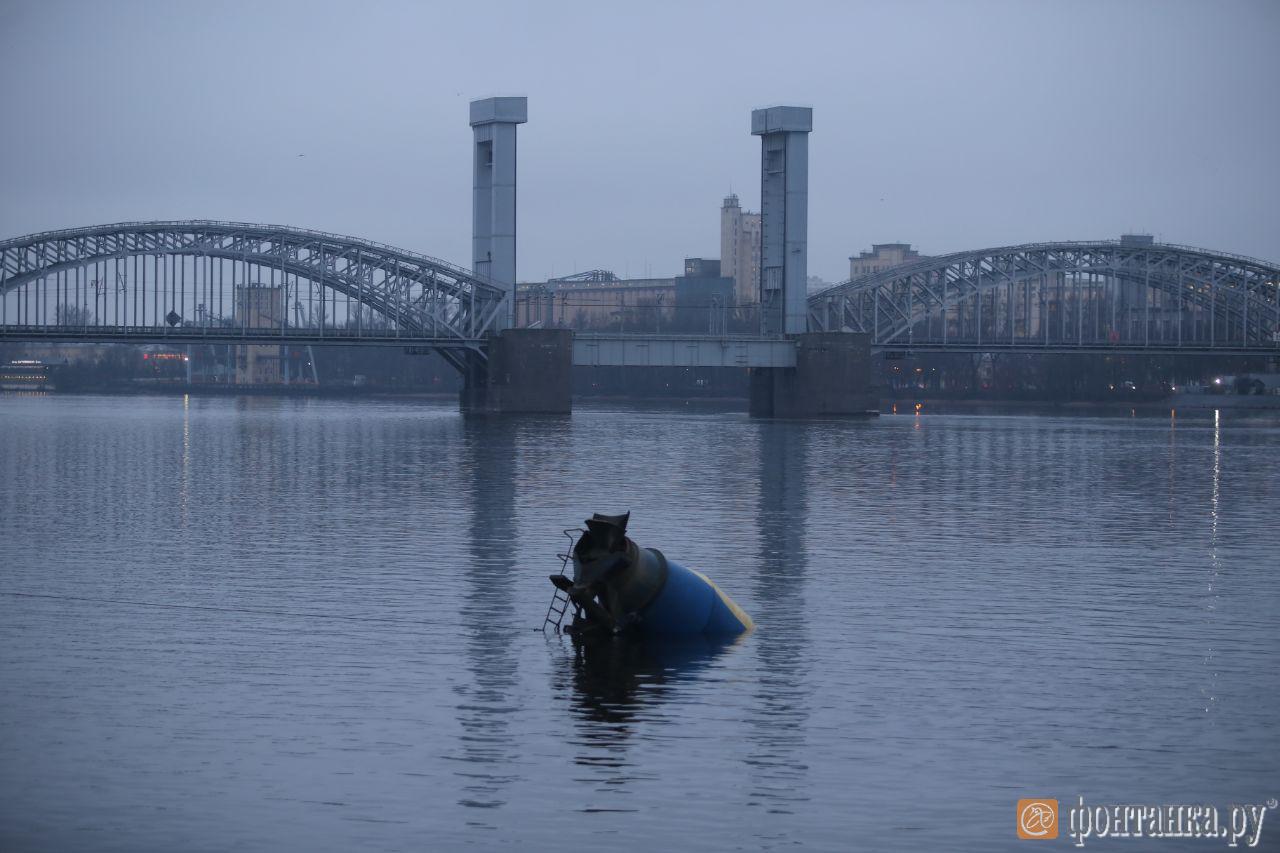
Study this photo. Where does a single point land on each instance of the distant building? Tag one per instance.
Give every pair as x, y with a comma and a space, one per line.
597, 300
258, 306
740, 250
698, 301
882, 256
703, 298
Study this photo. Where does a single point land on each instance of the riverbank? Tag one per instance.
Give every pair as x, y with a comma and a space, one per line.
1206, 402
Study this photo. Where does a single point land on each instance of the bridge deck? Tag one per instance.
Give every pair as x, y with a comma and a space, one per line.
598, 350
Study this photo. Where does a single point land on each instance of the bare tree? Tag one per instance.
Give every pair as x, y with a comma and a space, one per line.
74, 315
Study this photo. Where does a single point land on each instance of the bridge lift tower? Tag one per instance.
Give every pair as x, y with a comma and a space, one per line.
833, 370
784, 217
493, 193
527, 370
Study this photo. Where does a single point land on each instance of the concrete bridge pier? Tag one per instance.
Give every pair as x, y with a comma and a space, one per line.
832, 377
528, 371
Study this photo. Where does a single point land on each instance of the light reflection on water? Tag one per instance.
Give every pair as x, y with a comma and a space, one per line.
954, 612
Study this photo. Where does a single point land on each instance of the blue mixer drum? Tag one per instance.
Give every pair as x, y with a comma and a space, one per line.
618, 586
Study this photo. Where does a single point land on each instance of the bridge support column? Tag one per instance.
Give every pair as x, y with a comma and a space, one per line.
832, 377
529, 371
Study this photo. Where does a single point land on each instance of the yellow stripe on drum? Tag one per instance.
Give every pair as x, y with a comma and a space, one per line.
748, 624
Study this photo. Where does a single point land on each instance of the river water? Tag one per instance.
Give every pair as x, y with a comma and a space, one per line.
281, 624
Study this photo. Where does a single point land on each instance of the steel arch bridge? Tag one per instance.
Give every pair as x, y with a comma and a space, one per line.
203, 281
1113, 295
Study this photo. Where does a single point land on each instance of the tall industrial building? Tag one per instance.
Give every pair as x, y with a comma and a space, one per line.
740, 250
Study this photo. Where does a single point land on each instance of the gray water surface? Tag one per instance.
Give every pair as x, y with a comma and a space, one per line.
264, 624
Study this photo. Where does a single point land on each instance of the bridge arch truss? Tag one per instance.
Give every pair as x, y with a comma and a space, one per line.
207, 281
1105, 295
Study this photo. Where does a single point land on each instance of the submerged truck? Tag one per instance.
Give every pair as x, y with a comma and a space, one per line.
619, 587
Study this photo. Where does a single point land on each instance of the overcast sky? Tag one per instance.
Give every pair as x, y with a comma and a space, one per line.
949, 125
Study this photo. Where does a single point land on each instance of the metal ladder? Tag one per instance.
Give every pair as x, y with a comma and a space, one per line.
560, 601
